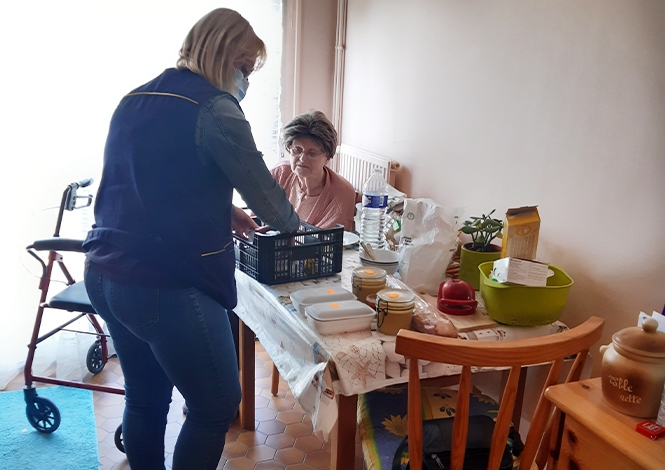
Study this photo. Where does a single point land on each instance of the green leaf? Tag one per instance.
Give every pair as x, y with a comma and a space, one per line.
483, 230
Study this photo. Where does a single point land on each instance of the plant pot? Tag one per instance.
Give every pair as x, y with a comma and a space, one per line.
470, 260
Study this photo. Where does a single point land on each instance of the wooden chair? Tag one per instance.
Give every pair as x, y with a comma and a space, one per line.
513, 354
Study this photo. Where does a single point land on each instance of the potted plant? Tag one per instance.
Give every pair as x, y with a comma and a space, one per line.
483, 230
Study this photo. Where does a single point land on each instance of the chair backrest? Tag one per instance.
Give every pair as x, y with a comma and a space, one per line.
507, 354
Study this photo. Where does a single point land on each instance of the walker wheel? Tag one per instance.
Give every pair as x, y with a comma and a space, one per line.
118, 439
94, 361
43, 415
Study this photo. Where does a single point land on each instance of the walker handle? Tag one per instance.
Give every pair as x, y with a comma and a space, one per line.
82, 184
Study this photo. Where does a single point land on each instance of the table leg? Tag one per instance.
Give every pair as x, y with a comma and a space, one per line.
343, 444
247, 377
274, 381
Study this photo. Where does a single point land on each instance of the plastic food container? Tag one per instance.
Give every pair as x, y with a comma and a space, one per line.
525, 305
331, 318
303, 298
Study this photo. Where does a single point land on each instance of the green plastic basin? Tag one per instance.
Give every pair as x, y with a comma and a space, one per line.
524, 305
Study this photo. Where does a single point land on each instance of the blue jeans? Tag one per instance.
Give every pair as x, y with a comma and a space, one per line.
167, 337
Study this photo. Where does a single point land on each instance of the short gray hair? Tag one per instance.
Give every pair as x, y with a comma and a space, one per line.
315, 125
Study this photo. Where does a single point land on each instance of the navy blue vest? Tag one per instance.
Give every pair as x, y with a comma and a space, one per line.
159, 200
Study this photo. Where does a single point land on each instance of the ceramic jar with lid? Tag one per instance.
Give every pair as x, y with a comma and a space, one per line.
633, 370
366, 282
394, 308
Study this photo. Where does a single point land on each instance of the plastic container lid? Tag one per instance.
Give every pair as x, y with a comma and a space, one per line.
342, 310
313, 295
644, 340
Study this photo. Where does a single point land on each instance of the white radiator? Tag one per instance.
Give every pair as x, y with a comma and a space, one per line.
356, 166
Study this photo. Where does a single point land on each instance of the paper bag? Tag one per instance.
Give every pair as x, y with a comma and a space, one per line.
428, 242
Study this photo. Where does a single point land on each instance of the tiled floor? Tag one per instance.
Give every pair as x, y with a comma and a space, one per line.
283, 439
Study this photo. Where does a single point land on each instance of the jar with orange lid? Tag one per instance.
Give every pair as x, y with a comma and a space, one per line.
394, 308
367, 282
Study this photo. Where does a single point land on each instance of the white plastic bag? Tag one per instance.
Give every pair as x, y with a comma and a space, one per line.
428, 242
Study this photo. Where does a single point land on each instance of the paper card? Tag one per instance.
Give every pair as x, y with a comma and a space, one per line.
519, 271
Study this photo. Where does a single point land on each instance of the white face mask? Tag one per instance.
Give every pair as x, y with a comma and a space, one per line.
241, 83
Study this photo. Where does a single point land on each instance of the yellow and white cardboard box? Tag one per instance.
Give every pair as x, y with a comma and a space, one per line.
519, 271
521, 228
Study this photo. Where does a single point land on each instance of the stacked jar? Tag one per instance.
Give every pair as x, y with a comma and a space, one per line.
394, 308
367, 282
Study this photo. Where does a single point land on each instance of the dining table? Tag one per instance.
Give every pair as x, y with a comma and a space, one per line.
326, 373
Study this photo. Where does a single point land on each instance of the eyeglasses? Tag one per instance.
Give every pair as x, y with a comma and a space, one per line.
299, 152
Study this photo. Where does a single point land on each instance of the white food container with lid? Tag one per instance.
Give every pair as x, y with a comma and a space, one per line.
314, 295
331, 318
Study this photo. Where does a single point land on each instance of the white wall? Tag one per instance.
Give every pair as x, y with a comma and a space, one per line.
501, 104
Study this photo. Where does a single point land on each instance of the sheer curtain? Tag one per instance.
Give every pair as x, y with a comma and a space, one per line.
66, 66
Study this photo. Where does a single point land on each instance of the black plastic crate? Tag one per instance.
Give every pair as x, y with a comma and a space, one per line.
275, 259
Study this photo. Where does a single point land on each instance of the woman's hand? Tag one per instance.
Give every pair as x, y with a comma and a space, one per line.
241, 223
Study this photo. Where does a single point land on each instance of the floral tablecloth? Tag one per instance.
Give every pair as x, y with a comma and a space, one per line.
317, 367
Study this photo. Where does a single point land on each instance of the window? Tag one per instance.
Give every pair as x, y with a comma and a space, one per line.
68, 63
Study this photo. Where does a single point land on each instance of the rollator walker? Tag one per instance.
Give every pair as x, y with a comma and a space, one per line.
42, 413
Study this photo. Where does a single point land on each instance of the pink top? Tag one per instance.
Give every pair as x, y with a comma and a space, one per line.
335, 204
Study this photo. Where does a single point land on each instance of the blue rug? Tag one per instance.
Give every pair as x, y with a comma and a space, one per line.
72, 446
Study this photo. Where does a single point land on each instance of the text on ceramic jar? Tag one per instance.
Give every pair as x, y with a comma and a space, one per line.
624, 386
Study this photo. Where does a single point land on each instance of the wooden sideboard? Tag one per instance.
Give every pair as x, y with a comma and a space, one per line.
597, 437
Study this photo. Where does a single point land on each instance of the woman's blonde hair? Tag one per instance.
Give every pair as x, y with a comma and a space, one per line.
218, 43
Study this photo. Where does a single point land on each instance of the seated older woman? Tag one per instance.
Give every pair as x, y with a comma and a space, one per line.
320, 196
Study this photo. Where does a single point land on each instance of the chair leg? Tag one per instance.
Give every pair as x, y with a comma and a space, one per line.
274, 386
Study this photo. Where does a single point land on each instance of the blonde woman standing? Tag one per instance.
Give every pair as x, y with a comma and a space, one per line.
160, 262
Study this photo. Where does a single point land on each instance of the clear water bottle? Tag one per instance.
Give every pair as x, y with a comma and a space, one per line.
373, 217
